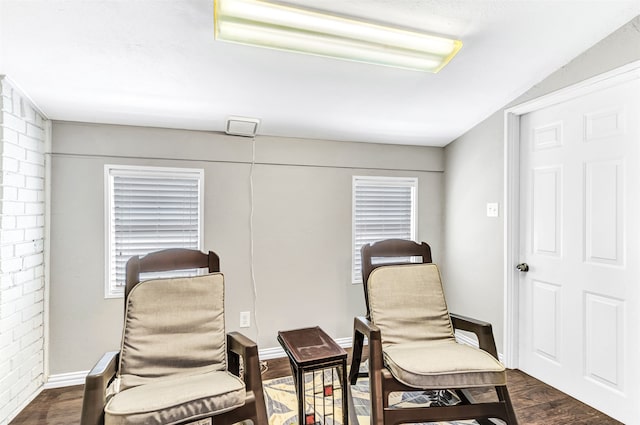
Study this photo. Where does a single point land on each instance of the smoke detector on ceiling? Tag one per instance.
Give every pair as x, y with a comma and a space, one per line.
242, 126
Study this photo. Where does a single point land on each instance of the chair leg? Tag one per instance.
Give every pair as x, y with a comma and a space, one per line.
503, 396
261, 411
375, 383
356, 357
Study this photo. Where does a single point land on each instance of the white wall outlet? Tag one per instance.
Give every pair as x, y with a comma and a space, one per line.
492, 209
245, 319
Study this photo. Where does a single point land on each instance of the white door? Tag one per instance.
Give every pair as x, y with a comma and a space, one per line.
579, 324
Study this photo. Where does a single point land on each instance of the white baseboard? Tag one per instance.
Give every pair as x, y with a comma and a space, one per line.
66, 379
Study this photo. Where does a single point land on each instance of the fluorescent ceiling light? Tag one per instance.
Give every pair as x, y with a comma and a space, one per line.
259, 23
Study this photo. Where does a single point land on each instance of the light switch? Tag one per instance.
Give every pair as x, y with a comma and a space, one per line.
492, 209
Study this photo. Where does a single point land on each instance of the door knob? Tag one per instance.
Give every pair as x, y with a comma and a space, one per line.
523, 267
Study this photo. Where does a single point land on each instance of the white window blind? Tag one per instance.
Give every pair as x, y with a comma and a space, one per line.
149, 209
383, 208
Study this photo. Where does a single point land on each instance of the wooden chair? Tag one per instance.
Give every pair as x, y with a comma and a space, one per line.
390, 251
176, 364
412, 347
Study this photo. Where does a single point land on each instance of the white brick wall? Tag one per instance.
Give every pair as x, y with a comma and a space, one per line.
22, 316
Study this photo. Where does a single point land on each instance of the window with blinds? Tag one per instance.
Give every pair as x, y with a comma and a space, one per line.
383, 208
149, 209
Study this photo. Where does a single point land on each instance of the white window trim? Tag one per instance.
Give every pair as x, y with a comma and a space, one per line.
411, 182
111, 170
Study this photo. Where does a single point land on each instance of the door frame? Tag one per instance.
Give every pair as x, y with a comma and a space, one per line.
512, 229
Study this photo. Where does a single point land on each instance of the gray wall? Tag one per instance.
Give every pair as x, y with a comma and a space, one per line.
302, 226
474, 163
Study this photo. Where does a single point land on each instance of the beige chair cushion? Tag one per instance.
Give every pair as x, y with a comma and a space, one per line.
176, 400
443, 364
173, 327
407, 303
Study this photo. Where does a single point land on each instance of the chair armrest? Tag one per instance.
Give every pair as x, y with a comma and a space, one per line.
365, 327
361, 328
238, 346
95, 389
483, 331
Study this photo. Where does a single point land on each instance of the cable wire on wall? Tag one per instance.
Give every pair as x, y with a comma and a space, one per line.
251, 262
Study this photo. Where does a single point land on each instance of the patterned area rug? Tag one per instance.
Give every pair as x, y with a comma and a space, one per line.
282, 404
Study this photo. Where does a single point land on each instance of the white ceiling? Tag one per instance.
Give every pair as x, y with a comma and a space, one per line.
155, 63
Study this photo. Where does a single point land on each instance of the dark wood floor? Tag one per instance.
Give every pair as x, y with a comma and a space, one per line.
535, 403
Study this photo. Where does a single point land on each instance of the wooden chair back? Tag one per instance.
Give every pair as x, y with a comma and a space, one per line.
166, 260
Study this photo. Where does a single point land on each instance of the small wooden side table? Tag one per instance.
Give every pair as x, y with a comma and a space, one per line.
311, 349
